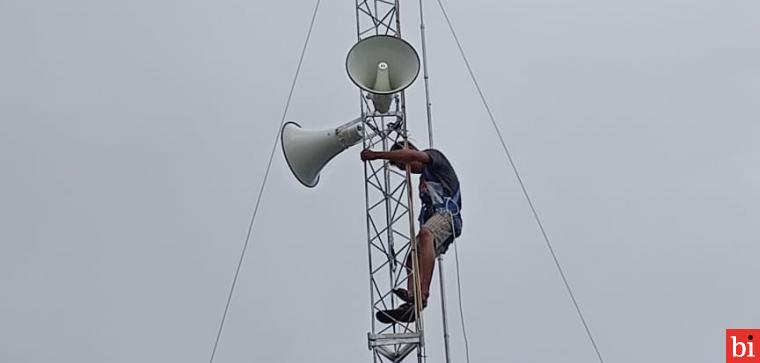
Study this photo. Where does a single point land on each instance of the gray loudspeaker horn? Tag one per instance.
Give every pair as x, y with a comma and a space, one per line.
308, 151
382, 65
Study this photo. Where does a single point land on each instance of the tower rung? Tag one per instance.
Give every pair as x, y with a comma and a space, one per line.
396, 356
379, 340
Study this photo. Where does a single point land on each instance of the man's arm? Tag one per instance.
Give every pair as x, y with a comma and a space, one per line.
404, 155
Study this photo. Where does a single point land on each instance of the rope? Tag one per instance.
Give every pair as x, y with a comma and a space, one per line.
522, 184
263, 184
459, 290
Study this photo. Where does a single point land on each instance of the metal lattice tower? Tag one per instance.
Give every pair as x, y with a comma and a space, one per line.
389, 210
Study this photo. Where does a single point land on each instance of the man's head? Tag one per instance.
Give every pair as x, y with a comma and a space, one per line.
398, 145
415, 166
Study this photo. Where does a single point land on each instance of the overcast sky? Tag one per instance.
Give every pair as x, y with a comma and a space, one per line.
135, 135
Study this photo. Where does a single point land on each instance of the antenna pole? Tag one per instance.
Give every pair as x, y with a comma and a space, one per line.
426, 77
428, 104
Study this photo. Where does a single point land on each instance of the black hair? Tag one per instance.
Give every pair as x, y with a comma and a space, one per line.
398, 145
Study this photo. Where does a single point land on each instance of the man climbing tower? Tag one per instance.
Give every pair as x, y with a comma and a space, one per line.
439, 218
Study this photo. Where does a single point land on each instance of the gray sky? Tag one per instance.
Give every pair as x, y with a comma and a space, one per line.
135, 136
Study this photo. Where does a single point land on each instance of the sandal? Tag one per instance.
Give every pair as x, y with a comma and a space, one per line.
405, 296
402, 314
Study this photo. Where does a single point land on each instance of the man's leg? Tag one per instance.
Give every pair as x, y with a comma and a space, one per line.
426, 258
439, 227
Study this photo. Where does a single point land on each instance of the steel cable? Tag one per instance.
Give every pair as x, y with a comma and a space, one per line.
520, 181
263, 184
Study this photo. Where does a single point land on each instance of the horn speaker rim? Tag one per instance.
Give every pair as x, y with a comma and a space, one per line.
287, 160
411, 81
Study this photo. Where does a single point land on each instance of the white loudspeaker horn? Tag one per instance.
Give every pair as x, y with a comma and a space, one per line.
382, 65
308, 151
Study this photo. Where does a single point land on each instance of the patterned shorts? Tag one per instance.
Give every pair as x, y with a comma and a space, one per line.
440, 225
